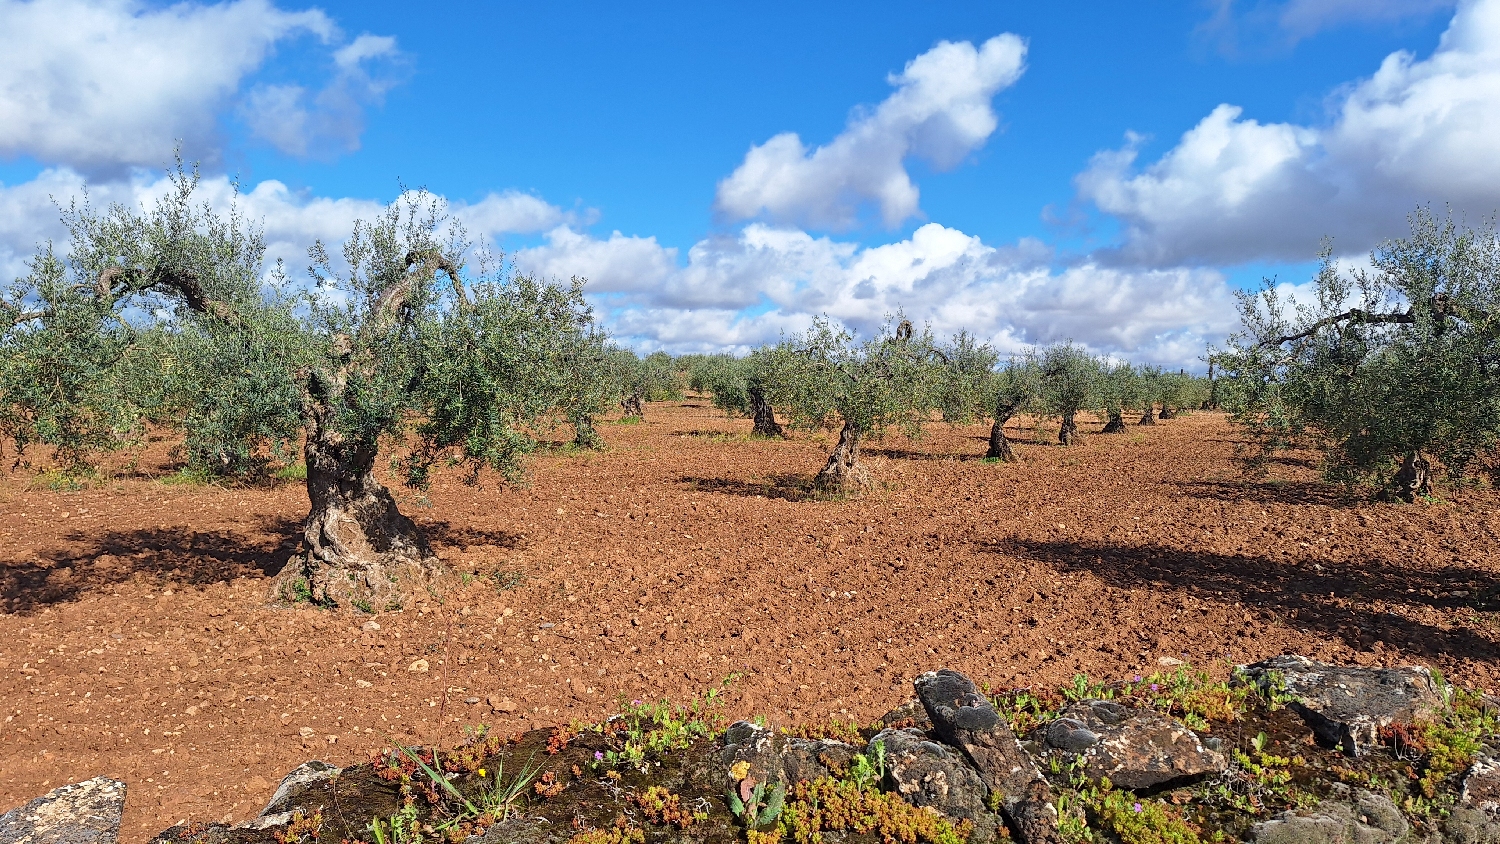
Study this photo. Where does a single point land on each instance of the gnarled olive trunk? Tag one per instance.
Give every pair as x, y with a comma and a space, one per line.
843, 472
585, 435
633, 406
358, 549
1167, 412
763, 414
1149, 417
1068, 434
1115, 425
1414, 478
1000, 446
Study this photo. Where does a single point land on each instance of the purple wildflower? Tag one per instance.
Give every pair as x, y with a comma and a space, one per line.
1137, 808
1153, 687
598, 756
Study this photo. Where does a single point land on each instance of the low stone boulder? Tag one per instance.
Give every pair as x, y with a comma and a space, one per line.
1468, 825
965, 719
1347, 705
776, 758
87, 812
928, 774
1481, 788
297, 792
1134, 748
1351, 816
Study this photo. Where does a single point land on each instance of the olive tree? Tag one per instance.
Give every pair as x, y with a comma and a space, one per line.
1070, 380
826, 378
1153, 390
1121, 388
973, 387
464, 371
738, 387
1383, 368
1017, 390
652, 378
1182, 392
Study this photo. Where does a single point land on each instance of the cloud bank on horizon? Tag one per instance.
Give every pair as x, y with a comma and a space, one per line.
1231, 190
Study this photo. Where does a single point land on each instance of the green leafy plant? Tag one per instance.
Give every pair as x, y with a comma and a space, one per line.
497, 796
753, 806
868, 770
643, 730
1084, 689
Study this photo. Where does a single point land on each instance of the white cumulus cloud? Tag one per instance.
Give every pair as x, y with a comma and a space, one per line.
941, 111
106, 85
290, 220
1234, 189
302, 122
739, 292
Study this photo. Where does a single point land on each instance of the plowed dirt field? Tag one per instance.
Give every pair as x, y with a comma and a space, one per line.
136, 639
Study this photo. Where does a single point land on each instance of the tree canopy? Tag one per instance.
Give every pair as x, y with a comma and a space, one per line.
1383, 368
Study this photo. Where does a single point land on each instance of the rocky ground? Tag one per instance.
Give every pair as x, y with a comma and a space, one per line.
137, 642
1289, 751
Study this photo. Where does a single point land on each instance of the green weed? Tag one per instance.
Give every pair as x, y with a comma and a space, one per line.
291, 472
643, 730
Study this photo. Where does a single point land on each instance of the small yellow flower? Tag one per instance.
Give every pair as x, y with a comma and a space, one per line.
481, 772
739, 770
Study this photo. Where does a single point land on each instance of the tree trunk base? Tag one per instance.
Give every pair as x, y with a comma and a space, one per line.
1068, 434
1149, 417
359, 552
586, 437
1115, 425
1166, 413
1413, 479
999, 446
844, 474
764, 416
633, 406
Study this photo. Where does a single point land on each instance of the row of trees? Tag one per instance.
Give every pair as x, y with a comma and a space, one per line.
170, 317
825, 378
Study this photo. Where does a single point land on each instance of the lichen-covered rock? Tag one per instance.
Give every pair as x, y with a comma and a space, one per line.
1347, 705
82, 813
809, 759
295, 789
908, 714
1468, 825
1134, 748
966, 719
755, 746
1481, 789
775, 758
927, 774
1352, 816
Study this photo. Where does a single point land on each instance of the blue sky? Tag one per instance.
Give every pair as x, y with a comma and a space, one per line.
1102, 172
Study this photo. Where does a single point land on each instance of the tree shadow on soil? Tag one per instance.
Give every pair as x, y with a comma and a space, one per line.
787, 487
910, 454
1299, 593
98, 560
1277, 492
444, 533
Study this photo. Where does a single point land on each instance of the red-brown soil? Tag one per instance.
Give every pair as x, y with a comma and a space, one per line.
138, 642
